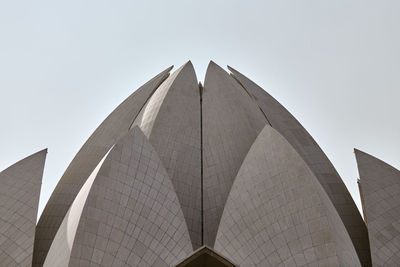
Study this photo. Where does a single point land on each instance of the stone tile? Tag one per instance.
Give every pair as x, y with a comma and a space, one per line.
123, 237
281, 120
380, 188
231, 122
98, 144
19, 199
171, 121
318, 237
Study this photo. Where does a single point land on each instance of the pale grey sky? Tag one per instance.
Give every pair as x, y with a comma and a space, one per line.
65, 65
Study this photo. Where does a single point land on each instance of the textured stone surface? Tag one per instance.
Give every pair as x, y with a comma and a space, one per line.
113, 127
281, 120
132, 216
127, 213
380, 184
171, 121
277, 213
19, 199
178, 166
60, 251
231, 123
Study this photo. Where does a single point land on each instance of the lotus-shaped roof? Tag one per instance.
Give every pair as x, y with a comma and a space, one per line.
184, 173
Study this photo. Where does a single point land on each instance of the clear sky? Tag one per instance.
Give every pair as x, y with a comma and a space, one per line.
65, 65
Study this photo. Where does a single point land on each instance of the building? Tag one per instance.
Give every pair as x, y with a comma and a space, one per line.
182, 174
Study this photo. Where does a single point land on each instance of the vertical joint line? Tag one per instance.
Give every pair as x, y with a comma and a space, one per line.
201, 159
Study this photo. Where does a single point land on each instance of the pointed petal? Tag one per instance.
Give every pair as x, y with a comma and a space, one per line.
281, 120
131, 209
280, 213
231, 122
19, 200
171, 121
113, 127
380, 185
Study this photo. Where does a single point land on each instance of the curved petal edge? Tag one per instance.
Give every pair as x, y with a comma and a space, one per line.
19, 199
94, 149
278, 213
131, 215
380, 184
281, 120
